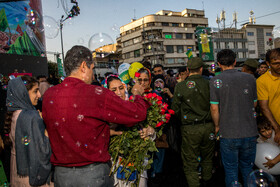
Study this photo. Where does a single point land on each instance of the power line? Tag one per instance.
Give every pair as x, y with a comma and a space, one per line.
258, 17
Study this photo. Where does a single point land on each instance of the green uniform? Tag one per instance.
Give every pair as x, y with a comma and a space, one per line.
191, 103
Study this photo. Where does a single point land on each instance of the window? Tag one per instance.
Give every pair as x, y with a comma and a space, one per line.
181, 61
251, 42
180, 49
137, 28
175, 24
227, 45
170, 61
150, 24
235, 45
243, 45
127, 55
168, 35
237, 55
169, 49
250, 33
252, 51
136, 40
165, 24
189, 36
244, 55
218, 45
179, 35
268, 34
126, 43
137, 53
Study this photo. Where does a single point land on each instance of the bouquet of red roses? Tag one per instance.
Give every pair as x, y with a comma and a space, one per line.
131, 148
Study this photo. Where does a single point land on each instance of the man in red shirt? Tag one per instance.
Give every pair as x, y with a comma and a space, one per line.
77, 115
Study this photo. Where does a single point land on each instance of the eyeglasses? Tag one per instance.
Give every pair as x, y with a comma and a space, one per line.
145, 80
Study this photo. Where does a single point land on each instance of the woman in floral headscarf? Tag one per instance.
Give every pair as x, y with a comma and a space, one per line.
144, 78
115, 84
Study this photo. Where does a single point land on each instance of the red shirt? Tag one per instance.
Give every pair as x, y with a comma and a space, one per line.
77, 116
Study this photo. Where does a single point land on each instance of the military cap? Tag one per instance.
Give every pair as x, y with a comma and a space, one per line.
251, 63
195, 62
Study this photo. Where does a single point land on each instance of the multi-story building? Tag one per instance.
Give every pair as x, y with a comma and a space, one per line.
231, 38
258, 37
106, 59
162, 38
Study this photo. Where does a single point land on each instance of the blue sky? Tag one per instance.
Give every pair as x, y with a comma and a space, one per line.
107, 16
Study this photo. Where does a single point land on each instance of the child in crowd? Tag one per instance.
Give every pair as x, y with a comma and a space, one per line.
267, 134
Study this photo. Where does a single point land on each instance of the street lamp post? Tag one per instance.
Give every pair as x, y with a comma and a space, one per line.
75, 11
61, 38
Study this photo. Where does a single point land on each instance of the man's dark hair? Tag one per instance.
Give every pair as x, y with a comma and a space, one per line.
147, 64
74, 58
226, 57
182, 69
249, 68
263, 63
158, 65
170, 72
41, 76
272, 54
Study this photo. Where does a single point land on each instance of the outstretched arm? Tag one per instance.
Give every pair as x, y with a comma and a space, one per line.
268, 114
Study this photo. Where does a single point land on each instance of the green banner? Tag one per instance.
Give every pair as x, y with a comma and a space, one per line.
205, 44
60, 67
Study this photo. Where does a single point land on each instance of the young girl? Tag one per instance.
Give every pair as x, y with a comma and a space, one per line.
267, 134
25, 132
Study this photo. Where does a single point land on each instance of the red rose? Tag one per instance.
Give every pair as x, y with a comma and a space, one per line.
159, 102
162, 111
159, 98
159, 124
137, 74
171, 112
149, 95
131, 97
154, 95
167, 116
165, 106
167, 121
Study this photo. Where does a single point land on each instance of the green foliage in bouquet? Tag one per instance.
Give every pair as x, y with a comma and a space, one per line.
131, 148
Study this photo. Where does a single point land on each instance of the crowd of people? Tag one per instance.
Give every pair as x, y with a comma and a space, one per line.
58, 135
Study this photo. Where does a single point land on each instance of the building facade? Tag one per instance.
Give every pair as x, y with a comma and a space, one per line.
231, 38
162, 38
258, 37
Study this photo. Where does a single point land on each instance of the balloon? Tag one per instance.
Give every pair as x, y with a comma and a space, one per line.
123, 72
261, 178
270, 151
134, 67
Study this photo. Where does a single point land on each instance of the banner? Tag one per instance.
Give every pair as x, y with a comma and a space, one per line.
189, 54
205, 44
60, 67
21, 28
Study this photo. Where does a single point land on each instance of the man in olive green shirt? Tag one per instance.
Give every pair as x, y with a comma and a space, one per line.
191, 103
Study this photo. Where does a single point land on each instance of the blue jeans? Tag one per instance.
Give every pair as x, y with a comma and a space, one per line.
238, 153
96, 175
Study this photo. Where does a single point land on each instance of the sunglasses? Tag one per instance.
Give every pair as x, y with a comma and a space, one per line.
144, 80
